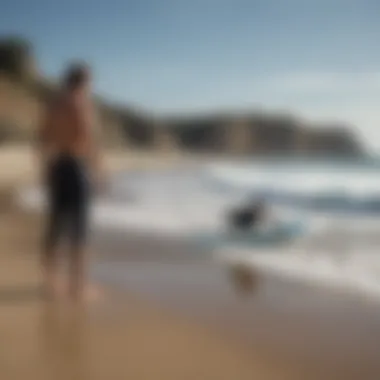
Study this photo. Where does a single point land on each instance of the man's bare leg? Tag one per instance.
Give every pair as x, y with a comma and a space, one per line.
50, 272
79, 288
77, 273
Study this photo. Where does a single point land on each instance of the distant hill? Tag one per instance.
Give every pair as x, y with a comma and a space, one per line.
24, 92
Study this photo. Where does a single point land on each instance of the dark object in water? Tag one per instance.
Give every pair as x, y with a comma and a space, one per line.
245, 217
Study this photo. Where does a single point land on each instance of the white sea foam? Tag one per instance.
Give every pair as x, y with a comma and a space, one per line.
165, 204
308, 181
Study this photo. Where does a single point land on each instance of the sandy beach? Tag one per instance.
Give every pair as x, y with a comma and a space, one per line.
168, 311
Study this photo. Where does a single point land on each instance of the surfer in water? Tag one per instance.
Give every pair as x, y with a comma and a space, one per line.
249, 216
69, 159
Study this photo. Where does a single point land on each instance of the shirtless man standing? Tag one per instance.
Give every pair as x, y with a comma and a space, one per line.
69, 152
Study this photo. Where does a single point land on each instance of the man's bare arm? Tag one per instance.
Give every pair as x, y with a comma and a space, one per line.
97, 144
89, 128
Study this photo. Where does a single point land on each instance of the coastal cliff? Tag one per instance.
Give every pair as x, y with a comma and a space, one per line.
24, 92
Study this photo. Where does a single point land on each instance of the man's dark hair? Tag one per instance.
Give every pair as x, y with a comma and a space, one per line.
76, 75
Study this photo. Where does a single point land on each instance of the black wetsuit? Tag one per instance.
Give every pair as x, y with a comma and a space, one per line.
68, 194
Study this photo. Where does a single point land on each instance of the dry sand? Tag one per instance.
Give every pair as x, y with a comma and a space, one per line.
167, 319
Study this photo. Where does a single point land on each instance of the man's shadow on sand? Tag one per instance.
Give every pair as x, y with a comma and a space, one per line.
19, 294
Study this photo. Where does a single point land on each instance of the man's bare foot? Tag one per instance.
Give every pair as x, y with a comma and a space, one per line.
53, 288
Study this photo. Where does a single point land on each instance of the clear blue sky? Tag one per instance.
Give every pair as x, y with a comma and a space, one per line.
317, 58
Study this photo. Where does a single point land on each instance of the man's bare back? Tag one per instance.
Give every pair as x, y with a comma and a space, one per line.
69, 127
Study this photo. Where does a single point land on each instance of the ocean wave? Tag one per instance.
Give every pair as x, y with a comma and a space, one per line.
319, 189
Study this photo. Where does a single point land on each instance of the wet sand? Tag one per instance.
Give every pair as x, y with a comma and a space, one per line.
303, 331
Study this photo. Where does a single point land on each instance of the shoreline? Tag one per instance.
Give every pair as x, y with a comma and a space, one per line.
299, 268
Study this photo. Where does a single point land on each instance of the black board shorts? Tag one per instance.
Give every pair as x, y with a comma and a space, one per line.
68, 194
